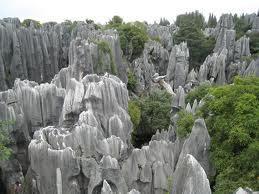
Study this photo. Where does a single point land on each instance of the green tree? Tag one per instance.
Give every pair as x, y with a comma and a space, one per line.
115, 22
164, 22
231, 114
133, 36
195, 18
254, 43
5, 152
199, 45
212, 21
241, 25
155, 115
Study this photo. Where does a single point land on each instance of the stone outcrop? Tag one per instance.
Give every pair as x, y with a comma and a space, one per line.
93, 135
39, 53
242, 48
255, 26
178, 66
198, 144
189, 177
28, 106
214, 68
163, 33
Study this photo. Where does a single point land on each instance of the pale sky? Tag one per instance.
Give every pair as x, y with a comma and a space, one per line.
130, 10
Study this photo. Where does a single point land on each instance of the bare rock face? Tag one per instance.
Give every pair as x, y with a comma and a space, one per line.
150, 167
39, 53
30, 53
197, 144
189, 177
28, 106
242, 48
255, 26
214, 68
164, 33
178, 66
253, 68
95, 110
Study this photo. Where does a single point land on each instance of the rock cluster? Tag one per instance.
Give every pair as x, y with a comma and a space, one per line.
39, 53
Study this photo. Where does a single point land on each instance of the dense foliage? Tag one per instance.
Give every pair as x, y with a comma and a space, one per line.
241, 25
212, 21
5, 152
133, 36
184, 123
231, 113
191, 31
27, 22
132, 81
254, 43
198, 93
155, 115
164, 22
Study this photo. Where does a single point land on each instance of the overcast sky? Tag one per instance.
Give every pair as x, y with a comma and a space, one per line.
102, 10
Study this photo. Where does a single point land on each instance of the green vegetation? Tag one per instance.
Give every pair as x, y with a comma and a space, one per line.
5, 152
231, 114
254, 43
132, 81
198, 93
104, 48
232, 119
200, 47
156, 39
184, 123
195, 18
164, 22
27, 22
133, 36
155, 115
241, 25
134, 112
212, 21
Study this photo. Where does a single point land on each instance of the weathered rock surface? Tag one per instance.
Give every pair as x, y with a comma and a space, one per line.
95, 110
39, 54
242, 48
214, 68
189, 177
255, 26
29, 106
178, 66
198, 144
164, 33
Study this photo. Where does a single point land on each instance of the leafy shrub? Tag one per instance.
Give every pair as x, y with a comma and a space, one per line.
133, 36
134, 112
5, 152
103, 47
184, 123
198, 93
155, 115
132, 81
132, 39
156, 39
